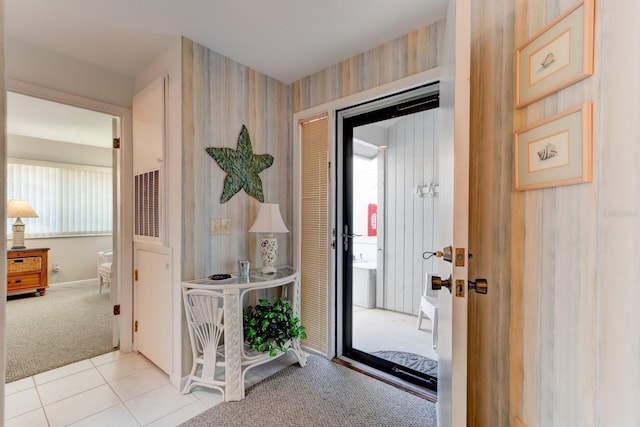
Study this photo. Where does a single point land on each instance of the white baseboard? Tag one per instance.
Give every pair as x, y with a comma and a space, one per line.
85, 282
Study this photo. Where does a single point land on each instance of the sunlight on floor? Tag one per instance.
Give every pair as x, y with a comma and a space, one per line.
376, 329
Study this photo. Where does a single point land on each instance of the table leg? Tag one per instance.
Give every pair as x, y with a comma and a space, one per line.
295, 345
234, 388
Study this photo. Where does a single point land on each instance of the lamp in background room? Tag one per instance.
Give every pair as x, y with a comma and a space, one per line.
268, 221
19, 209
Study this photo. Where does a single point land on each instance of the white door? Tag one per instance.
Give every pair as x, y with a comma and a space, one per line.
454, 214
152, 301
152, 259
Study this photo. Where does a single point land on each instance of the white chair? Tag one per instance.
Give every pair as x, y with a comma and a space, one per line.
204, 312
105, 259
429, 308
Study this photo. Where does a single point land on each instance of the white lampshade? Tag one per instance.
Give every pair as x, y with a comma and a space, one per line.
20, 209
268, 220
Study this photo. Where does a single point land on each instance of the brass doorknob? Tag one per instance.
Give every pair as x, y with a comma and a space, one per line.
480, 286
437, 283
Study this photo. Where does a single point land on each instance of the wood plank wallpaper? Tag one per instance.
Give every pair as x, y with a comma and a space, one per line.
558, 283
554, 331
219, 96
415, 52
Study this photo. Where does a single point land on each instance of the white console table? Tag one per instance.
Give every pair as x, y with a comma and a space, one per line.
237, 359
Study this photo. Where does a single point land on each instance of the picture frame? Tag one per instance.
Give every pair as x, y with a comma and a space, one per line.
555, 151
558, 56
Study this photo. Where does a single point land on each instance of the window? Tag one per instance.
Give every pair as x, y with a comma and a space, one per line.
70, 200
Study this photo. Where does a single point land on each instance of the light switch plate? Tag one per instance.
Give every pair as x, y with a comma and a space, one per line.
225, 226
219, 226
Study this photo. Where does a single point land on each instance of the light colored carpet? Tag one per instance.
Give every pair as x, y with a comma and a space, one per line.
68, 324
320, 394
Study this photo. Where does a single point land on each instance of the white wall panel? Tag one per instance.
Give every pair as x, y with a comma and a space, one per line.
410, 219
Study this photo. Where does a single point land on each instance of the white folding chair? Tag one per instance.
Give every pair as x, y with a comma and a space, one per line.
429, 308
105, 259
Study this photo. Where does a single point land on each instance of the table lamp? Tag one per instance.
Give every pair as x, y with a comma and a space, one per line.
19, 209
268, 221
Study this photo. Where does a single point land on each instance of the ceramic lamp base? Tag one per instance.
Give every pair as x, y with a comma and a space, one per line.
269, 254
18, 234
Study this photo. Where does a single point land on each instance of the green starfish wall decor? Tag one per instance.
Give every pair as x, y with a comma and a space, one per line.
242, 167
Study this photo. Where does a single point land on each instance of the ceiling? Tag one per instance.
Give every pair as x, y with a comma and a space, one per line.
284, 39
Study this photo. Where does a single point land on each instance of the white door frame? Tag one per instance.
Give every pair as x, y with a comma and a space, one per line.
410, 82
125, 261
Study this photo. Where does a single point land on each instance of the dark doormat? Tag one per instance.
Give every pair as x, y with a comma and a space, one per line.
411, 361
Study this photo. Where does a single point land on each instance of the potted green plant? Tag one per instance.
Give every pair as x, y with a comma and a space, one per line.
270, 325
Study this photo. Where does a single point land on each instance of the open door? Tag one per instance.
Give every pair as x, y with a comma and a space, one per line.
388, 148
454, 215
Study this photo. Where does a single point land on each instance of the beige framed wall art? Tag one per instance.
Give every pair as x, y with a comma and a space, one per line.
560, 55
555, 151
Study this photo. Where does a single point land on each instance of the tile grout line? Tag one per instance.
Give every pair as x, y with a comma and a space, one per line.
41, 403
123, 402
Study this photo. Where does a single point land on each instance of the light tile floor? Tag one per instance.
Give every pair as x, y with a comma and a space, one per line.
115, 389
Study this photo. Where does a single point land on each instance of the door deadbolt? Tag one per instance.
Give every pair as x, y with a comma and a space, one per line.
446, 254
437, 283
480, 286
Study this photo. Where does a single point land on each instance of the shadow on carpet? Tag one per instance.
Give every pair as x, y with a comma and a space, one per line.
320, 394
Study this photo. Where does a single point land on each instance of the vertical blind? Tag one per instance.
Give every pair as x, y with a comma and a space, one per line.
70, 200
314, 273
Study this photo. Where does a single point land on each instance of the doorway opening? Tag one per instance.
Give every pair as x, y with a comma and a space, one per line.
387, 217
60, 159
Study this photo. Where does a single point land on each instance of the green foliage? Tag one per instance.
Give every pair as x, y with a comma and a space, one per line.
270, 324
242, 167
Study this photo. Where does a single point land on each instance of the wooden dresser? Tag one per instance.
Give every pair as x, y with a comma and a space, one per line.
27, 270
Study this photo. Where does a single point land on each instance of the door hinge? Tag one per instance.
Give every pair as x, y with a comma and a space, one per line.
116, 143
135, 326
116, 310
135, 275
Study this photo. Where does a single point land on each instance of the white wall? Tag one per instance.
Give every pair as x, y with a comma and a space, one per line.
76, 255
41, 67
409, 220
169, 63
26, 147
